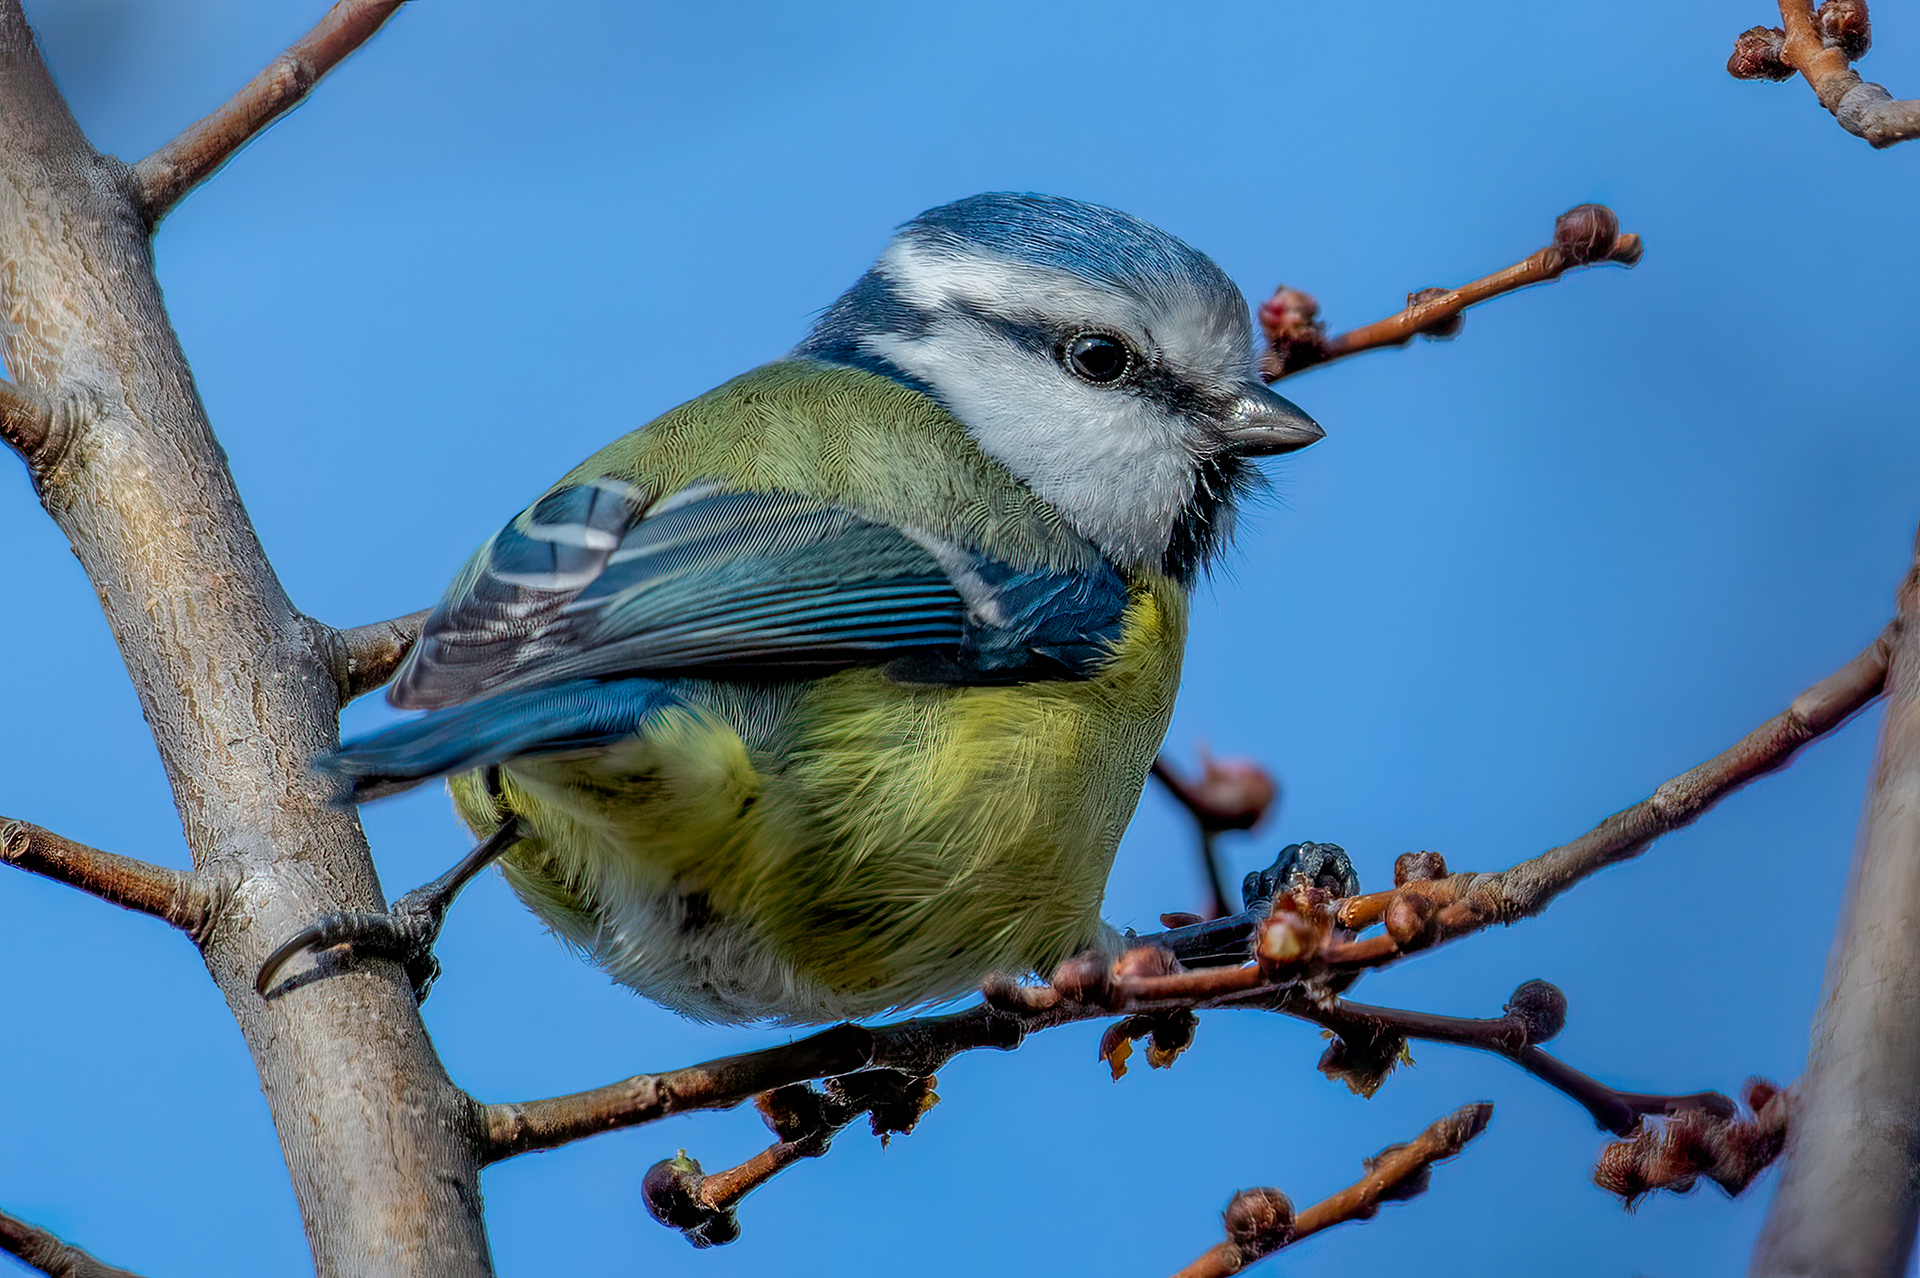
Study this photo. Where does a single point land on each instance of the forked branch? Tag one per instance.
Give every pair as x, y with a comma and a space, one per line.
190, 159
1821, 46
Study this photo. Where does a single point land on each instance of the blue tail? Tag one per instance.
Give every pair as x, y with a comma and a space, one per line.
565, 716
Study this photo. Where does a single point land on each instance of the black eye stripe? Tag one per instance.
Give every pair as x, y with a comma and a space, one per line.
1100, 358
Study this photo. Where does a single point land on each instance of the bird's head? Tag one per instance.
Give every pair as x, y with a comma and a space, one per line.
1102, 361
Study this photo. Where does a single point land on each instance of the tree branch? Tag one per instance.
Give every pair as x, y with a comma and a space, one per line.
37, 1249
1849, 1198
1260, 1222
1730, 1150
231, 682
365, 657
1821, 46
1584, 235
190, 159
916, 1047
701, 1204
1369, 1041
179, 897
1428, 911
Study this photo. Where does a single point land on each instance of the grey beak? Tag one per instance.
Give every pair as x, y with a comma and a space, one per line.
1261, 424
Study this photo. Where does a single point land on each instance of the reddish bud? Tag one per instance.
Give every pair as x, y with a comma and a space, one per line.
1844, 26
1418, 867
1409, 920
1296, 338
671, 1191
1289, 315
1760, 54
1259, 1222
1586, 233
1233, 794
1180, 918
1758, 1092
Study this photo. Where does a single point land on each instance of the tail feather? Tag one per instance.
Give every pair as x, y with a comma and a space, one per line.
577, 715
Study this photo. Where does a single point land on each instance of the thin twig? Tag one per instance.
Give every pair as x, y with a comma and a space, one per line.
1821, 46
179, 897
190, 159
917, 1047
1443, 909
1368, 1041
1296, 338
367, 656
701, 1204
37, 1249
1260, 1222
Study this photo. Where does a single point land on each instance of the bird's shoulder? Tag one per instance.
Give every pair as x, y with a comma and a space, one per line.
848, 438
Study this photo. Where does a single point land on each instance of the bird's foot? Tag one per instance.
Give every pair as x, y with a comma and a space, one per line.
406, 932
1228, 941
1322, 865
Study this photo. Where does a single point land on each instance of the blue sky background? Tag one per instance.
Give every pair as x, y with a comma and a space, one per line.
1529, 574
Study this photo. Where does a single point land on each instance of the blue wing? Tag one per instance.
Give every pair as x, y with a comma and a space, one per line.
561, 630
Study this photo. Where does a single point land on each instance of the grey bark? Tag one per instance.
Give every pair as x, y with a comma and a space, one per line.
238, 689
1849, 1197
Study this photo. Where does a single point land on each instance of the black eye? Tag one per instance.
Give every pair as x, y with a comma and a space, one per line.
1097, 357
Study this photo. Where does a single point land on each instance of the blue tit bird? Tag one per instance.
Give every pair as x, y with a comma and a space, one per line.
831, 691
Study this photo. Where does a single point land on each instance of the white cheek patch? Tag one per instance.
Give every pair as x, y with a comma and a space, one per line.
1118, 469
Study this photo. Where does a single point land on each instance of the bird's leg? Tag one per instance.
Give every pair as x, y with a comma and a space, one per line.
407, 931
1227, 942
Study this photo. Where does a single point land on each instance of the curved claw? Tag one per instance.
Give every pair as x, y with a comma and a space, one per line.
380, 934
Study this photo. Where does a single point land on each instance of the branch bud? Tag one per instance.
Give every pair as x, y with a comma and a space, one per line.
1589, 233
1760, 54
1418, 867
1844, 26
1409, 920
1287, 938
1541, 1009
1259, 1222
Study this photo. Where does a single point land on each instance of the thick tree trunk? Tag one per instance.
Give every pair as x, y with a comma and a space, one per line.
239, 688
